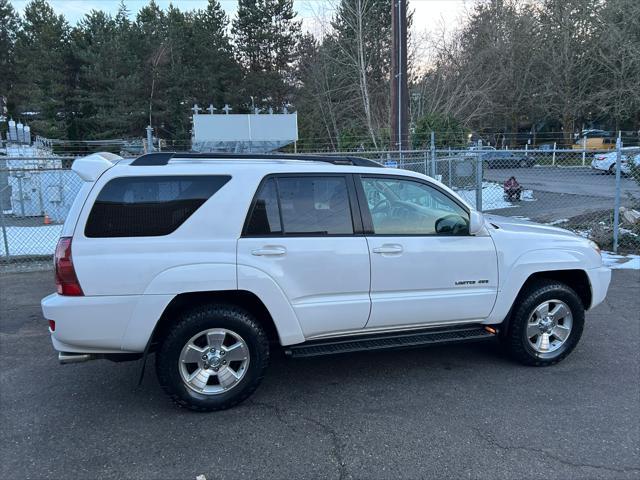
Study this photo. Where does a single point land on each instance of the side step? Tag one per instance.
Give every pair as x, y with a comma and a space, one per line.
385, 341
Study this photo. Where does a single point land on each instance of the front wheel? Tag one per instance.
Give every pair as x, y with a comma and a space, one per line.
546, 325
213, 358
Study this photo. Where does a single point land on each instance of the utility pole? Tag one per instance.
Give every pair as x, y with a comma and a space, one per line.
399, 94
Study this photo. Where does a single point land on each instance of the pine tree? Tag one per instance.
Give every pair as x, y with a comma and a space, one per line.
41, 59
266, 35
8, 32
212, 55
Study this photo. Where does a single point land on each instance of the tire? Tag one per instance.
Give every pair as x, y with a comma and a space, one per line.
554, 294
612, 169
213, 328
485, 165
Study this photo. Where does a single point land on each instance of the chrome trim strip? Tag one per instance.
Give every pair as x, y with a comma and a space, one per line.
397, 328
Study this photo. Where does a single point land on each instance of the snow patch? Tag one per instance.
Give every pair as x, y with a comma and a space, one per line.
557, 222
493, 196
619, 262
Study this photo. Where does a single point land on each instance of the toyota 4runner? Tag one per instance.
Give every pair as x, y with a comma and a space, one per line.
210, 261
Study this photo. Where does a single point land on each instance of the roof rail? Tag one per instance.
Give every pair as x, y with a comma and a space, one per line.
162, 158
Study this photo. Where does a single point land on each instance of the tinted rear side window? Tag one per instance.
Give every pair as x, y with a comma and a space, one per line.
308, 205
315, 206
265, 216
149, 206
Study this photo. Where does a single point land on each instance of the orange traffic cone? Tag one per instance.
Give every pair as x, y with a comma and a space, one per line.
47, 220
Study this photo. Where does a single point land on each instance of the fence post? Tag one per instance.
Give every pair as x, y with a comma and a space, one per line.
553, 159
450, 173
478, 182
3, 224
584, 150
425, 162
434, 168
616, 207
21, 193
149, 139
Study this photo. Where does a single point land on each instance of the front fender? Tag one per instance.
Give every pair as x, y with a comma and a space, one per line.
519, 270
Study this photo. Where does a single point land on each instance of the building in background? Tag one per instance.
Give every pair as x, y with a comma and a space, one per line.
243, 133
32, 180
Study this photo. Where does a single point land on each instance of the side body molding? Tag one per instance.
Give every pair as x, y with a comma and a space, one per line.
518, 270
202, 278
164, 287
267, 290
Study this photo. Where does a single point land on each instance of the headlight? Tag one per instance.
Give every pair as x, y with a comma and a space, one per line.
595, 246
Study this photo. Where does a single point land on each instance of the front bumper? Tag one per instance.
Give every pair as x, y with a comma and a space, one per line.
599, 278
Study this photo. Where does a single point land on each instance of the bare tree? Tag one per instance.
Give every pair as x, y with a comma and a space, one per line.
618, 56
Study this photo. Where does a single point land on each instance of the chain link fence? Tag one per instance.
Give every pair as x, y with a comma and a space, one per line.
573, 189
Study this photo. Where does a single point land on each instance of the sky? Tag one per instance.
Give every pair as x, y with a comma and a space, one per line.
428, 16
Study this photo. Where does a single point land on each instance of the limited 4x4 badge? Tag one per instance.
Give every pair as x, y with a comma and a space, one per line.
471, 282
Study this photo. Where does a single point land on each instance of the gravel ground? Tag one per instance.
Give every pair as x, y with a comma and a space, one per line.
443, 412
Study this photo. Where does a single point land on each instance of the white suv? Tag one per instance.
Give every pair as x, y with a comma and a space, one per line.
211, 260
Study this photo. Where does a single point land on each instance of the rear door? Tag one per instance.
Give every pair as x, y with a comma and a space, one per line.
425, 267
305, 232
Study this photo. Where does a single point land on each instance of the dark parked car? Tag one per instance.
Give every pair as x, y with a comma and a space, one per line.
492, 158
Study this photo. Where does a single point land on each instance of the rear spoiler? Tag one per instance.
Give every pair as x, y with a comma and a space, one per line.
90, 168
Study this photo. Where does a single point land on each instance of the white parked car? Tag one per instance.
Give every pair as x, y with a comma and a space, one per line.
210, 261
606, 162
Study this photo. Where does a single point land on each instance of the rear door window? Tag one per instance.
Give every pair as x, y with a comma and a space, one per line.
265, 215
306, 205
149, 206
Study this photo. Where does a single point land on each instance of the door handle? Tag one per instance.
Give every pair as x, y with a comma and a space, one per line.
269, 251
388, 248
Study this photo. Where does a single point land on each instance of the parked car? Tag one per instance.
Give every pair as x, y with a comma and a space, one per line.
211, 261
606, 162
492, 158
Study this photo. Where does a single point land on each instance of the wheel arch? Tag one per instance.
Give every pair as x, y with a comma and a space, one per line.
241, 298
576, 279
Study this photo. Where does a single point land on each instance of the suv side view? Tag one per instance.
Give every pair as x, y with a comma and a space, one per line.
211, 261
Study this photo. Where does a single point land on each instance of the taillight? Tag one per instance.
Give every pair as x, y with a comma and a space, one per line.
66, 279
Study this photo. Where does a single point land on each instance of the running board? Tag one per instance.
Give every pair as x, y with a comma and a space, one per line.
386, 341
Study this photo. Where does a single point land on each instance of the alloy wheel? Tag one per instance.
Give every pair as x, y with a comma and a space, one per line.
549, 326
214, 361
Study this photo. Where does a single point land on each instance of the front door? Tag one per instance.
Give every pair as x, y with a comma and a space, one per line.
425, 267
301, 231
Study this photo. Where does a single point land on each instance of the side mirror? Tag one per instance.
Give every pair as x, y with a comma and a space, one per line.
476, 222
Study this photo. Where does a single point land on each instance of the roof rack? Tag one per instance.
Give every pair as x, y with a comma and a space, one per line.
162, 158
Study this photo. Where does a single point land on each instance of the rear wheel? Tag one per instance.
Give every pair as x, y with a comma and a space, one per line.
546, 325
612, 169
213, 358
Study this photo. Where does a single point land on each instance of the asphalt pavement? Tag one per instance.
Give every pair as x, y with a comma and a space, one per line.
563, 192
460, 411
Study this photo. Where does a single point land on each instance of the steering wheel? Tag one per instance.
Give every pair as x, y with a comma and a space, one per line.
378, 206
457, 225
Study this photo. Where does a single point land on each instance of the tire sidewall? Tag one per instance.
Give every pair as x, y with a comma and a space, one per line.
526, 308
230, 318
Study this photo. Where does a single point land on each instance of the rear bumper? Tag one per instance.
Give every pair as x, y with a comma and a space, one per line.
599, 279
103, 324
88, 324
